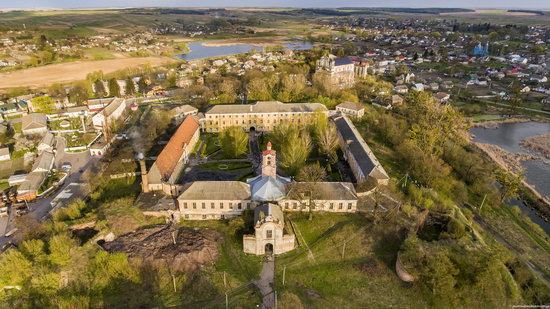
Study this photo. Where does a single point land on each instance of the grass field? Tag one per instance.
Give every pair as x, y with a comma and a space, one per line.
72, 71
363, 278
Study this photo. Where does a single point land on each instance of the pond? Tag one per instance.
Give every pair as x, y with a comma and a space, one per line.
200, 51
537, 173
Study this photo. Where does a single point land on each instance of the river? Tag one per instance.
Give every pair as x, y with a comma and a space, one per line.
197, 50
508, 136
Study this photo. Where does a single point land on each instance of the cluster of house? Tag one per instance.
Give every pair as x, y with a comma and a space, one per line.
268, 194
94, 116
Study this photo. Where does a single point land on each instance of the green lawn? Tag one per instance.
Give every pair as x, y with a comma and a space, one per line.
364, 278
77, 139
230, 166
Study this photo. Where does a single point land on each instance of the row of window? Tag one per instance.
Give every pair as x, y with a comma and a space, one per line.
250, 122
221, 205
307, 114
204, 217
294, 205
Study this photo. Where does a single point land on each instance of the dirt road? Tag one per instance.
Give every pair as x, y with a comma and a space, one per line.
71, 71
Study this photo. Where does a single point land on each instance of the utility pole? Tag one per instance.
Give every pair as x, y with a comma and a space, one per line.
226, 301
482, 202
284, 273
344, 250
224, 281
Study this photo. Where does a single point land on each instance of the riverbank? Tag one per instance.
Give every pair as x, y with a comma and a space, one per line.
493, 124
511, 162
539, 144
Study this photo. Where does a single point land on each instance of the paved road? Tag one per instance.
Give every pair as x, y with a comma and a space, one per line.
40, 208
265, 284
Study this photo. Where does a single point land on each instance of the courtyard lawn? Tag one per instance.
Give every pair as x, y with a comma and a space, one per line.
229, 166
73, 124
364, 278
211, 144
77, 139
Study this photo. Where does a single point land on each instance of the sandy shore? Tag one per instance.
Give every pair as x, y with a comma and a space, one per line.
539, 144
512, 163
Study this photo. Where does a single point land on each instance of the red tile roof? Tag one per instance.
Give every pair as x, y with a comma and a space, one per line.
171, 154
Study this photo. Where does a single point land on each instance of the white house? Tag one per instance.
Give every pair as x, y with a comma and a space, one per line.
111, 112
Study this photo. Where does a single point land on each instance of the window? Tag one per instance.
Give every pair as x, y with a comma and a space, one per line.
340, 206
222, 217
349, 205
230, 205
186, 216
203, 205
221, 205
212, 205
331, 206
185, 205
269, 234
240, 206
194, 205
204, 217
294, 205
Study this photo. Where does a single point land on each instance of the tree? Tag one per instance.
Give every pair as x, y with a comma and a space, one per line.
57, 91
114, 88
130, 86
78, 94
312, 173
234, 141
510, 184
328, 142
100, 90
142, 85
295, 150
43, 104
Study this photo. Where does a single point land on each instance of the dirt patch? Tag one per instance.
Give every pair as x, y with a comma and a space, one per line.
193, 248
372, 267
71, 71
539, 144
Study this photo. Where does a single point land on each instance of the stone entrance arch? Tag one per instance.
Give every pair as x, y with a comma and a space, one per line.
269, 249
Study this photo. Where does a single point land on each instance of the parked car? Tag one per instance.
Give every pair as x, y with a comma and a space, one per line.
66, 167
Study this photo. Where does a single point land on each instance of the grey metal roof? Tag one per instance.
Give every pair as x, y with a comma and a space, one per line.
342, 61
351, 105
266, 107
33, 121
44, 161
268, 188
358, 147
323, 190
216, 190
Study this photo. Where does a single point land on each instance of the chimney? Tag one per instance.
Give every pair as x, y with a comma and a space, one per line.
144, 179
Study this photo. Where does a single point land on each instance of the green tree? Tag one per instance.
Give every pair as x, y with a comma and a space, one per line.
295, 150
328, 142
78, 94
100, 90
510, 184
130, 86
43, 104
114, 88
234, 141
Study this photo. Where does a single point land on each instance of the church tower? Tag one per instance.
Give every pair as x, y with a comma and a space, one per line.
269, 161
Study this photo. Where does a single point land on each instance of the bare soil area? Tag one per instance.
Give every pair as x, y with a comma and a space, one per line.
184, 249
71, 71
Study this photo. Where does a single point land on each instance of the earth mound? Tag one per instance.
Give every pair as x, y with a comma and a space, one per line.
184, 249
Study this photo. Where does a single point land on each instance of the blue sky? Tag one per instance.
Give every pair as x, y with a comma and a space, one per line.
535, 4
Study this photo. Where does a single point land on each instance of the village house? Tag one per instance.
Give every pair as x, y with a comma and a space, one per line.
261, 116
35, 123
47, 143
5, 154
442, 97
110, 113
351, 109
28, 189
182, 111
44, 162
99, 147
